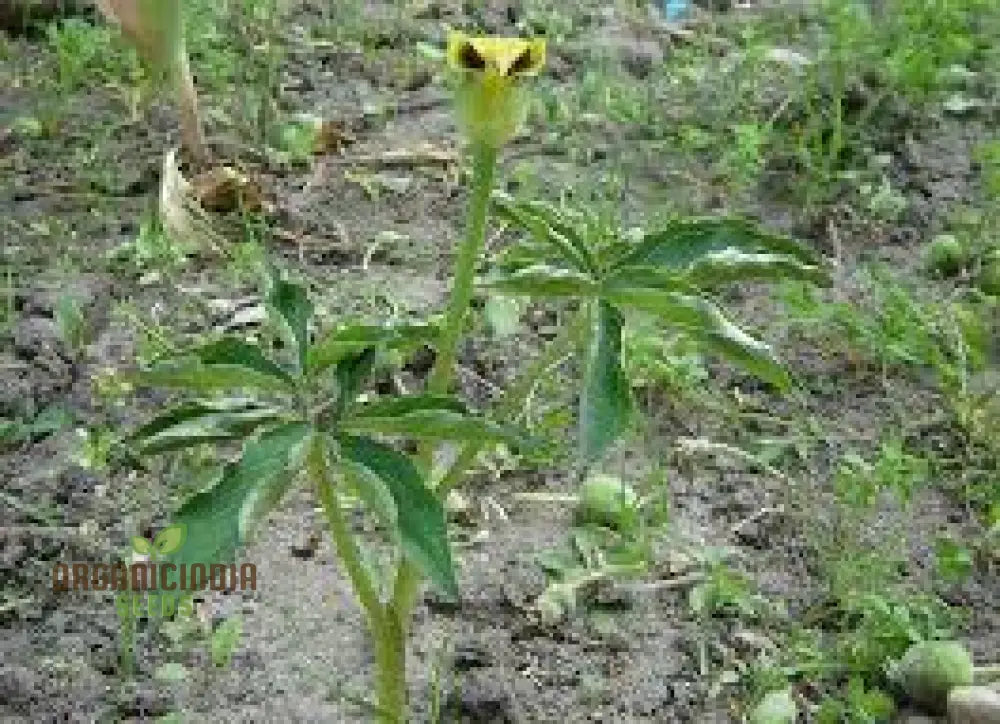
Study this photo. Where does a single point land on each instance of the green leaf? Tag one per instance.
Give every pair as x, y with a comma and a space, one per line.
289, 302
351, 373
605, 400
236, 351
652, 277
545, 226
732, 265
352, 339
396, 406
542, 280
684, 241
197, 377
220, 518
701, 320
170, 539
433, 425
228, 363
141, 546
196, 423
420, 516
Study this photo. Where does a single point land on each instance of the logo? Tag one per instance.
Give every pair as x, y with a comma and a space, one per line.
167, 586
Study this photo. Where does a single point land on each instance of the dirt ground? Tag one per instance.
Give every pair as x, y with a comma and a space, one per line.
375, 238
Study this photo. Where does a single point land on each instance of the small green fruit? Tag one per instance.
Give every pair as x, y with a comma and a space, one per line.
930, 669
989, 275
606, 500
946, 255
777, 707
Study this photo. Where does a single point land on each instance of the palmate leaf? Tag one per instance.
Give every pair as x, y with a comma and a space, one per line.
198, 422
346, 340
420, 517
606, 398
220, 519
683, 242
701, 320
289, 304
543, 280
226, 364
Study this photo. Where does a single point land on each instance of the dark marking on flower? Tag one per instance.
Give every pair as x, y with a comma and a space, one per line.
523, 63
470, 58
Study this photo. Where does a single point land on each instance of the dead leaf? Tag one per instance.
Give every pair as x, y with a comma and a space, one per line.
331, 137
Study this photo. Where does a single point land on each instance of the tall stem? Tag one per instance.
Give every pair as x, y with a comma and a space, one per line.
484, 160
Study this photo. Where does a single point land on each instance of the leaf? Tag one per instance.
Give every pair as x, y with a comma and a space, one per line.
542, 280
605, 400
396, 406
732, 265
220, 518
420, 515
346, 340
701, 320
289, 302
170, 539
431, 424
196, 377
235, 351
196, 423
141, 546
684, 241
545, 226
228, 363
351, 373
653, 277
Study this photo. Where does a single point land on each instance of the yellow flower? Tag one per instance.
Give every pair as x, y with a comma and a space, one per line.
489, 99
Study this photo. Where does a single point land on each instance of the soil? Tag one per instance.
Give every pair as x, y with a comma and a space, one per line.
377, 239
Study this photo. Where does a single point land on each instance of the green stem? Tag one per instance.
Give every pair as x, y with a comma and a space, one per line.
383, 622
484, 166
390, 660
347, 548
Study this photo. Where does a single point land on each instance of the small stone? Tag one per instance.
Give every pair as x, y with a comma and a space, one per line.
974, 705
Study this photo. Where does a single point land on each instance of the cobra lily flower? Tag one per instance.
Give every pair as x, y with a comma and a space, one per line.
156, 29
490, 99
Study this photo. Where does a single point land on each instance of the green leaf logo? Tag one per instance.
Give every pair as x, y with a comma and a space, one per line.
167, 541
141, 546
170, 539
